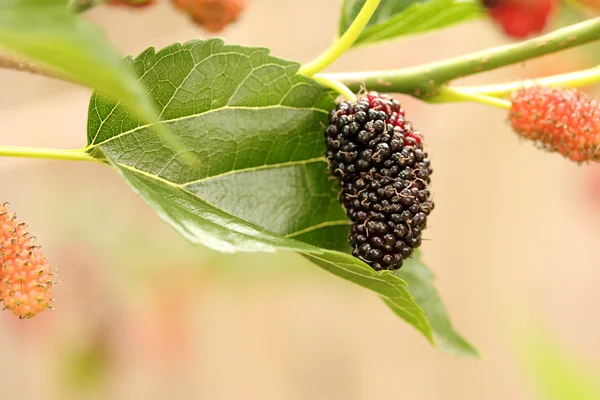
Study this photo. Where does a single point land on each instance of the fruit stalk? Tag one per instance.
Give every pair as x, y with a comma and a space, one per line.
452, 95
574, 79
337, 86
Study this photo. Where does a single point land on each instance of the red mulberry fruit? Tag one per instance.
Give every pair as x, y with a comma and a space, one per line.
25, 275
563, 120
384, 174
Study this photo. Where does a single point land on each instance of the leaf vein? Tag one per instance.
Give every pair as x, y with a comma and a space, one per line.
94, 145
325, 224
258, 168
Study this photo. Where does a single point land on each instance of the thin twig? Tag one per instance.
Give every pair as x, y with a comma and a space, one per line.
422, 80
11, 62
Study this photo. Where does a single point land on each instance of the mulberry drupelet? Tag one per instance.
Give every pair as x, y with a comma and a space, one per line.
384, 172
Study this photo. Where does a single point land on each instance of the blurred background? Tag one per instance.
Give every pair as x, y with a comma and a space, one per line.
142, 314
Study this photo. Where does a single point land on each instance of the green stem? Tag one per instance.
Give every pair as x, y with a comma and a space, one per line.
50, 154
343, 43
422, 81
581, 78
335, 85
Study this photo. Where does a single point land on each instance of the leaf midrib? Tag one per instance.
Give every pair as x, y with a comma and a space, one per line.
315, 227
275, 106
232, 172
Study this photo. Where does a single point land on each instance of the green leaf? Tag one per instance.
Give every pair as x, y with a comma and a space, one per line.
392, 289
420, 284
395, 18
203, 223
47, 32
259, 180
557, 372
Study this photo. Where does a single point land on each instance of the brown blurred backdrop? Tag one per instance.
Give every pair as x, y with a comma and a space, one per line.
141, 314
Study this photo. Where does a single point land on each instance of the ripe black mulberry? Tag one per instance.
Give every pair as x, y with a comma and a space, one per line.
384, 174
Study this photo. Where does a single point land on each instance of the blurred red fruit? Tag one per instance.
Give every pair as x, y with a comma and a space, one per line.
592, 187
520, 18
595, 4
214, 15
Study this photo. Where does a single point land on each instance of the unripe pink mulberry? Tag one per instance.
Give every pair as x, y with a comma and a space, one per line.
562, 120
25, 275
